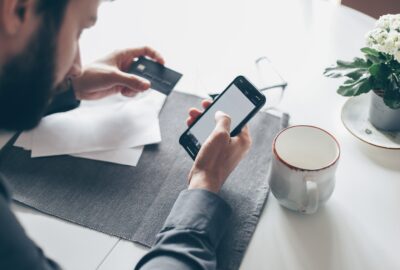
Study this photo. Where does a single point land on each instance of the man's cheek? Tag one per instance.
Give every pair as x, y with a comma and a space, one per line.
65, 56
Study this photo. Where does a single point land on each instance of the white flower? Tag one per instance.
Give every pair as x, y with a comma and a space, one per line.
397, 56
376, 38
395, 25
384, 22
385, 37
389, 45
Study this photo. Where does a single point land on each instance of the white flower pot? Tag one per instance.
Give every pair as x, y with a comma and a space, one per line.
381, 116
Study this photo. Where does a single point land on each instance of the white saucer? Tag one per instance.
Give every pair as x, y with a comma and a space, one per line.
355, 118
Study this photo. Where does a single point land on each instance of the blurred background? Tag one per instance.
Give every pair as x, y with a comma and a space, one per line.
373, 8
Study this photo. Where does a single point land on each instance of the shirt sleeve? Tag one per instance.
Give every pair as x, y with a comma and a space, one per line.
191, 233
17, 251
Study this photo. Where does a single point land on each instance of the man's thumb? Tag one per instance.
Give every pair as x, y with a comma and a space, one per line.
223, 121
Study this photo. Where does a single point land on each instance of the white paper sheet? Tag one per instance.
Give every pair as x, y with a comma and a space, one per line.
151, 99
128, 157
91, 129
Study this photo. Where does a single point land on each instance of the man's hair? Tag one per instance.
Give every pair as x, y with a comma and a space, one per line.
53, 12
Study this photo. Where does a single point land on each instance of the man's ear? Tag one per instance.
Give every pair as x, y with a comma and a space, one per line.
13, 14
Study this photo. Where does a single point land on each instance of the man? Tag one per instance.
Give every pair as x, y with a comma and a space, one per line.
39, 63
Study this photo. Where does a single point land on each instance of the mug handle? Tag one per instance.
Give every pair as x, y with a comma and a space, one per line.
313, 197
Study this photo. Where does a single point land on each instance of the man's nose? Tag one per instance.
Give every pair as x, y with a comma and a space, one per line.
76, 69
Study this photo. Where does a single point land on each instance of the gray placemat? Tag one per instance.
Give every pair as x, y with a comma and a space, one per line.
132, 203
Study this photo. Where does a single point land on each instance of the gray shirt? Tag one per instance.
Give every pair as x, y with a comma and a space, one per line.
188, 239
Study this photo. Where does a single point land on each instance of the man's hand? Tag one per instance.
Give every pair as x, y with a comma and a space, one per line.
108, 76
219, 155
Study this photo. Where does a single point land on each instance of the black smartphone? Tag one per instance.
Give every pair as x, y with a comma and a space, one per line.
240, 100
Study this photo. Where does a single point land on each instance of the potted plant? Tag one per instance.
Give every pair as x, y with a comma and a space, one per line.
378, 71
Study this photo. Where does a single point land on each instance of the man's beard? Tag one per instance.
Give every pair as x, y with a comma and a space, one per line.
26, 82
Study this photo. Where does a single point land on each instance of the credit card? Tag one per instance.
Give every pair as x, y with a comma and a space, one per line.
161, 78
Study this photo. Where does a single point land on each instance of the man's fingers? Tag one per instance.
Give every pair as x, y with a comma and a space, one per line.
130, 81
206, 103
144, 51
190, 121
244, 137
153, 54
128, 92
245, 134
193, 112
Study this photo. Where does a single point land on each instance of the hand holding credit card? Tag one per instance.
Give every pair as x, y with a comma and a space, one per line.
162, 78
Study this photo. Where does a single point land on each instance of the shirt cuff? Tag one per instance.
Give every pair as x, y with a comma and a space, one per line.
200, 210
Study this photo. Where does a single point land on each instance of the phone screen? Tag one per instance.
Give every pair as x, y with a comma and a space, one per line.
233, 102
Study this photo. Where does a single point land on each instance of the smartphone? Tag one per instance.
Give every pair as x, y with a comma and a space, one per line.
240, 100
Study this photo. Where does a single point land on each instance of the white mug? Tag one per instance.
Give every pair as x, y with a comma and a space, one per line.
302, 173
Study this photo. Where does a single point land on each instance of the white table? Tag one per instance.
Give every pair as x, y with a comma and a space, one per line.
213, 41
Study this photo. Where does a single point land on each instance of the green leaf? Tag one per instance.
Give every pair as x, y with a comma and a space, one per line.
373, 55
355, 87
392, 103
387, 57
349, 81
374, 70
376, 84
331, 73
352, 70
364, 87
356, 63
380, 72
394, 81
370, 51
374, 59
392, 93
355, 74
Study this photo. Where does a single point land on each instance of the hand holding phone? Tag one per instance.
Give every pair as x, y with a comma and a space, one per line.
228, 140
240, 100
219, 155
